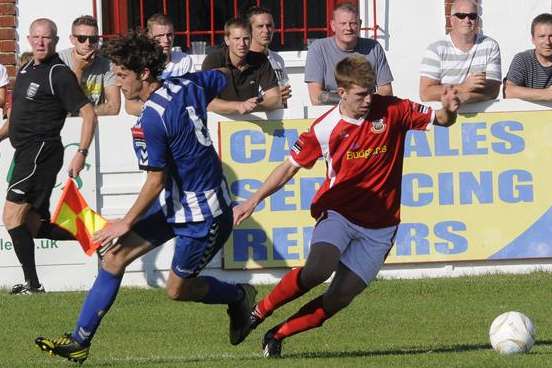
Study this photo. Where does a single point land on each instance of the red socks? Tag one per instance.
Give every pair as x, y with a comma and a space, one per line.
311, 315
287, 290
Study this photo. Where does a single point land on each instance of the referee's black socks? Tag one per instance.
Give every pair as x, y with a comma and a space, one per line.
24, 247
48, 230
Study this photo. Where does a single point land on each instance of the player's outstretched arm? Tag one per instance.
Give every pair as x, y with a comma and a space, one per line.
277, 179
446, 116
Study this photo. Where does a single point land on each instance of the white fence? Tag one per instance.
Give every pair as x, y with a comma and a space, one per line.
112, 181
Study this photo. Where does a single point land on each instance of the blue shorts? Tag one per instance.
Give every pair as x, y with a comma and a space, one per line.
196, 242
363, 250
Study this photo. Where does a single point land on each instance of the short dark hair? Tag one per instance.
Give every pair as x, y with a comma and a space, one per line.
544, 18
235, 22
354, 69
255, 10
136, 52
85, 20
159, 19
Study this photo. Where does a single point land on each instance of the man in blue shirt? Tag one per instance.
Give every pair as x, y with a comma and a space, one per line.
185, 195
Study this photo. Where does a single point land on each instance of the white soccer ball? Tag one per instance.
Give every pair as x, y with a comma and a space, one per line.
512, 332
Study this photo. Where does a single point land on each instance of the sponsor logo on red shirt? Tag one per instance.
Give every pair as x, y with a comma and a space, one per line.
366, 153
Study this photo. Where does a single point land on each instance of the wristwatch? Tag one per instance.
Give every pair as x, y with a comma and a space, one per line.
83, 151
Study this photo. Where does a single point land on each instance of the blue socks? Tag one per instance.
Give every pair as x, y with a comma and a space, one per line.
104, 291
221, 292
98, 301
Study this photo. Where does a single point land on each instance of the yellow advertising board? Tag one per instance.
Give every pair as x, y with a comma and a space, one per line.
478, 190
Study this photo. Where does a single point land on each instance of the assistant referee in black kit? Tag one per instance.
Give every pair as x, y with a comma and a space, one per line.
46, 90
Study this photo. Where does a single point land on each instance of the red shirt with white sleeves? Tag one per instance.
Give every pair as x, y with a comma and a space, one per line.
364, 159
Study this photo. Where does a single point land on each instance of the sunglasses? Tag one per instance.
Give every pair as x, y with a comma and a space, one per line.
92, 39
471, 16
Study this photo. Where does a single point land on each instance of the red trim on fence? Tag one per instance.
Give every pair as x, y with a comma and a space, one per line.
305, 22
116, 17
188, 35
118, 23
282, 23
142, 16
212, 25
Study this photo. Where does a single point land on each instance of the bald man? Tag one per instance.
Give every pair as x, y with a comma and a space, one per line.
46, 90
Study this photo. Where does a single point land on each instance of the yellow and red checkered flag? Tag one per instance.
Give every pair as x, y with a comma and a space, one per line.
73, 214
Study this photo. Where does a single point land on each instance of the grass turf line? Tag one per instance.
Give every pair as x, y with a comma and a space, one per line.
394, 323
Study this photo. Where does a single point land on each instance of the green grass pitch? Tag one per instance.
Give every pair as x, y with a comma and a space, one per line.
394, 323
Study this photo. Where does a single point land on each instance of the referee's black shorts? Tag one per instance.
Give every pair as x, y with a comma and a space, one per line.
35, 168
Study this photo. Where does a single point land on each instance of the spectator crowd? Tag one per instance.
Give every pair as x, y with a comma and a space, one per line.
173, 146
465, 58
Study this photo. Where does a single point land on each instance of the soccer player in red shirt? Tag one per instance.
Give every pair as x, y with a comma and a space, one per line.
357, 207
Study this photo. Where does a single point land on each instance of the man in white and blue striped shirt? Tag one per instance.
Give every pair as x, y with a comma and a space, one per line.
465, 58
184, 196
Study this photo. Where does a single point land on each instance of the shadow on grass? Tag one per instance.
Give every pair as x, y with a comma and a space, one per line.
403, 351
160, 360
544, 343
406, 351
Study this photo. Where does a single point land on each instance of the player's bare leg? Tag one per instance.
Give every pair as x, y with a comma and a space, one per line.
75, 346
321, 263
206, 289
344, 287
193, 289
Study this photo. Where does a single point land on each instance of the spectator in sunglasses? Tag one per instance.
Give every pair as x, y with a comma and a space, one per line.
93, 71
465, 58
45, 92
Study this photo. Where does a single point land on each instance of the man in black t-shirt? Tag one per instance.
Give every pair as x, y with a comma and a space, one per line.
252, 83
46, 90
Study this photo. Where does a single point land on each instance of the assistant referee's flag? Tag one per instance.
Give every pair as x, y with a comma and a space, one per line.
73, 214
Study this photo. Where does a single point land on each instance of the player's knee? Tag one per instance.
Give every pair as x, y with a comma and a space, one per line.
337, 302
173, 293
113, 263
10, 218
180, 293
186, 290
312, 278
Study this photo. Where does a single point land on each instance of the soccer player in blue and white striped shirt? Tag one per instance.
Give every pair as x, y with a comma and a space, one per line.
185, 195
